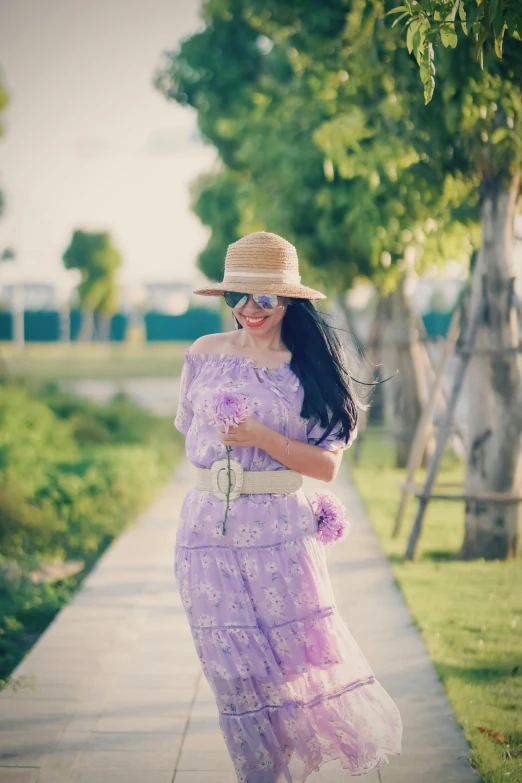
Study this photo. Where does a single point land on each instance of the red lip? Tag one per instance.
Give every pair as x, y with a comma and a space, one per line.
255, 326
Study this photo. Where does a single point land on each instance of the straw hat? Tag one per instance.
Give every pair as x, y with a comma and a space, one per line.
262, 263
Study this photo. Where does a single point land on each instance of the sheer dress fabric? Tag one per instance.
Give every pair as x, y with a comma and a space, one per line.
292, 686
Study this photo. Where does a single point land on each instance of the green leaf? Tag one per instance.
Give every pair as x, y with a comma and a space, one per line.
498, 44
409, 38
453, 13
427, 72
417, 45
494, 7
448, 36
498, 22
462, 16
513, 23
401, 17
479, 51
499, 135
397, 10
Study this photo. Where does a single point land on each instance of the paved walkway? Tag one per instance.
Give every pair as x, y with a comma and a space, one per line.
119, 697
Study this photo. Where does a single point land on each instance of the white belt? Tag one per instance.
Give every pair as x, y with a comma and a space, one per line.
246, 482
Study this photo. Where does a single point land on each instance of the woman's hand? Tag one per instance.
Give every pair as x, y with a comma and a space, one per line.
249, 433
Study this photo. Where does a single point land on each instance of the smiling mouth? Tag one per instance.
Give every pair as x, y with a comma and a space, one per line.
255, 321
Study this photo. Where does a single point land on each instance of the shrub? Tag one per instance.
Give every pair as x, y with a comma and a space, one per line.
72, 474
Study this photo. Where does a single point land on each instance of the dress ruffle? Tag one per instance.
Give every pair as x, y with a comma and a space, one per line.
289, 679
357, 726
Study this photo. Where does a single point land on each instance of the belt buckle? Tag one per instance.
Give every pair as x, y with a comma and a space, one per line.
220, 478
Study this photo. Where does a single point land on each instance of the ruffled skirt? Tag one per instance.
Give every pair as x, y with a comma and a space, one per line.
292, 686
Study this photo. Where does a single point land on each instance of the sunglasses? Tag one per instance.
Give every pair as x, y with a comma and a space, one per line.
266, 301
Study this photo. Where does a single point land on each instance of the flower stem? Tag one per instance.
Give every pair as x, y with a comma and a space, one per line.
229, 449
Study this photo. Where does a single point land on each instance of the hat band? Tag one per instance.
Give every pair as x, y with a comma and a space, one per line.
238, 275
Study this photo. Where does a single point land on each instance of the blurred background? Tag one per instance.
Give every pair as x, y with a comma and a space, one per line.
137, 141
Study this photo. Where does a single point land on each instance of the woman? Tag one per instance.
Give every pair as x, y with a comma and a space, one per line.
292, 687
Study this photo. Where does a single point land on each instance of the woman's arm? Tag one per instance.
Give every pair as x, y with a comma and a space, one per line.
309, 460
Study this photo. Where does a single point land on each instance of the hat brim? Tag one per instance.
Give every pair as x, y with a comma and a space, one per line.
281, 289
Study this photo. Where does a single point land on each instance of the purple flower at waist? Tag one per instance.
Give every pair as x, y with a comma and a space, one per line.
332, 522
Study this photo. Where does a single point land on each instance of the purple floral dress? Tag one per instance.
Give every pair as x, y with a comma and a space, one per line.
292, 687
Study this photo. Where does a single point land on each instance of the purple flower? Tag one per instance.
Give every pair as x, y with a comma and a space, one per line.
332, 522
226, 408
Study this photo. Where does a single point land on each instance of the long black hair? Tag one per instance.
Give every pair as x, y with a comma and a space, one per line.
320, 363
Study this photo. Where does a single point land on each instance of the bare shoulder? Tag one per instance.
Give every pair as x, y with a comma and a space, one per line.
212, 343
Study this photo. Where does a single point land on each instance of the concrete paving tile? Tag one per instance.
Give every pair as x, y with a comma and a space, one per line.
153, 680
134, 741
70, 741
146, 723
203, 777
176, 695
155, 701
32, 727
19, 744
28, 709
212, 740
331, 773
53, 776
201, 760
39, 692
87, 775
11, 775
441, 770
116, 760
60, 761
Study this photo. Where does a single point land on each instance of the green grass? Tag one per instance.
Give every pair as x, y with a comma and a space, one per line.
469, 613
56, 361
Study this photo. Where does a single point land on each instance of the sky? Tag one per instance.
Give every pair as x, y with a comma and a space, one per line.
89, 143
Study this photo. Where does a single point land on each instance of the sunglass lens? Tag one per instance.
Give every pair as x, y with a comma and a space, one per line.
235, 299
266, 301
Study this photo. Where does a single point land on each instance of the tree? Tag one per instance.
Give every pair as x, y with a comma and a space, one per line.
94, 255
479, 104
317, 152
215, 202
431, 22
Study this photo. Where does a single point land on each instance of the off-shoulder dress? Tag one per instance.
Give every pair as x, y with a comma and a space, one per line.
292, 686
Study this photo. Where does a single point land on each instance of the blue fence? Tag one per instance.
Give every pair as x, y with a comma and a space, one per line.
44, 325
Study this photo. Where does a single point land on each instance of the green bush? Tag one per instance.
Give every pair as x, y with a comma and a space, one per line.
31, 440
72, 474
121, 421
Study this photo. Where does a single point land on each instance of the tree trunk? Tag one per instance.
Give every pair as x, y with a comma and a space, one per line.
65, 324
404, 394
86, 332
352, 339
494, 464
370, 372
104, 328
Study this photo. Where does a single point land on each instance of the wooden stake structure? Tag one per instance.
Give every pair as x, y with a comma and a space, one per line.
371, 357
423, 428
465, 353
